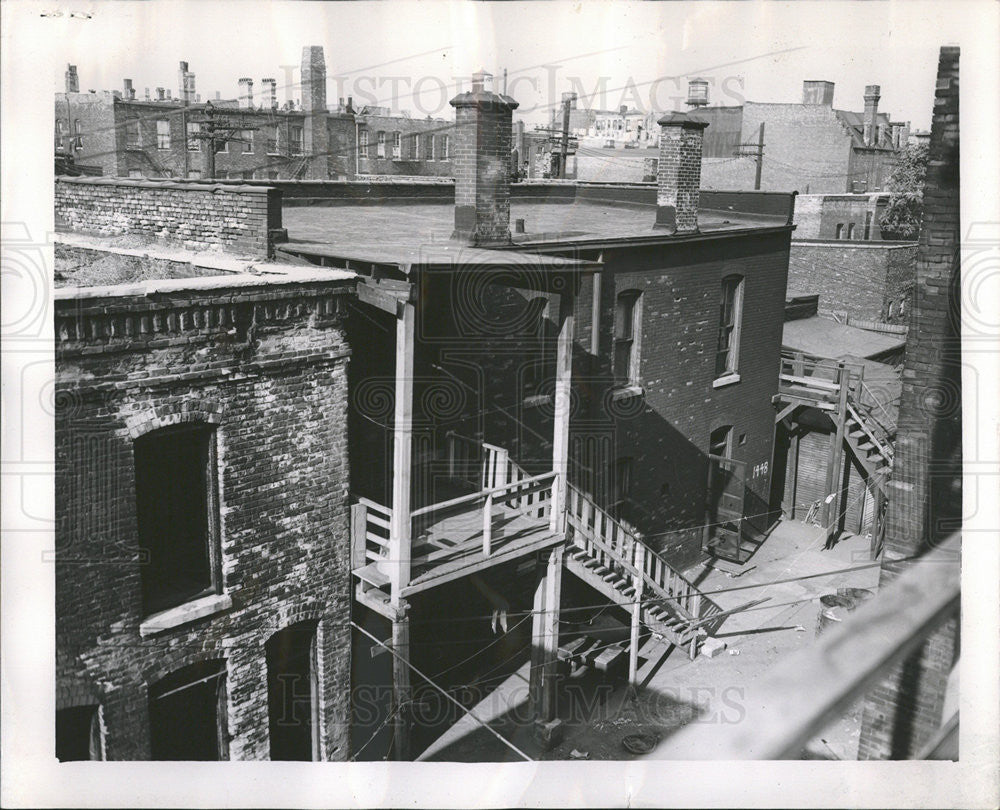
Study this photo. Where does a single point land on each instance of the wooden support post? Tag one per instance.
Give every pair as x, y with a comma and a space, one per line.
562, 403
633, 649
488, 525
402, 450
831, 508
401, 693
595, 316
543, 681
359, 526
793, 451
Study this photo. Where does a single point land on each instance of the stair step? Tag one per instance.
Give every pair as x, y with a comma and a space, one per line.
580, 555
592, 563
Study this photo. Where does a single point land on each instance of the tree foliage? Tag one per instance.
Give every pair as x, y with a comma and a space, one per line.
901, 219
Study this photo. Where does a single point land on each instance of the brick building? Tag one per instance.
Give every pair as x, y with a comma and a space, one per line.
612, 355
161, 135
904, 713
202, 559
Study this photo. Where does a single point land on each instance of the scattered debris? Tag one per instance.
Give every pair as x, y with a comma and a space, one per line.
640, 743
734, 652
712, 647
574, 754
735, 574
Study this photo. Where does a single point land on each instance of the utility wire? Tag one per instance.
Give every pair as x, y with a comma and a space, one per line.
444, 692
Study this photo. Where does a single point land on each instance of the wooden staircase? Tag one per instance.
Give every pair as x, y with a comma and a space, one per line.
614, 562
870, 443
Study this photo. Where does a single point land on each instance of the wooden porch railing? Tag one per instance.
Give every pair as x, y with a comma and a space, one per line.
531, 496
615, 547
370, 532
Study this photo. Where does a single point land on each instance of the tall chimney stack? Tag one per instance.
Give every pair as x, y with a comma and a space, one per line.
697, 93
678, 176
72, 79
246, 93
269, 93
872, 95
481, 162
129, 90
185, 81
313, 79
160, 94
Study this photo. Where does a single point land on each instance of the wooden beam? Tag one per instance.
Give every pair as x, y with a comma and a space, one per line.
372, 293
633, 648
562, 402
804, 693
788, 410
550, 638
793, 450
402, 450
401, 692
831, 509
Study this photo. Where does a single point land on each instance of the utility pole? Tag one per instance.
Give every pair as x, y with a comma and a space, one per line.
217, 132
756, 151
567, 100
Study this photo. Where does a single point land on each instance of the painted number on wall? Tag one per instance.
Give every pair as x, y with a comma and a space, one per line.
760, 469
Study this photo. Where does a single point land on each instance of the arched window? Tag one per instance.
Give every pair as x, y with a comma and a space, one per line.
727, 356
177, 515
840, 230
187, 714
628, 337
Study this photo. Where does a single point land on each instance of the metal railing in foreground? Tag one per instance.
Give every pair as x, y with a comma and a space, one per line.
812, 688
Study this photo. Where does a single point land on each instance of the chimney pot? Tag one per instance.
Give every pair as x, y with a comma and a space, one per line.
872, 96
678, 175
72, 79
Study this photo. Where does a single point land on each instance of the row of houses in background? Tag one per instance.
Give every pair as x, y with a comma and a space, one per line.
165, 136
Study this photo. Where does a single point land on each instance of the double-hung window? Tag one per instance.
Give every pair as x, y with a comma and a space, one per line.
727, 356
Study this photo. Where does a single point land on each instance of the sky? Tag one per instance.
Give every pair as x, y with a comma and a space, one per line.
412, 55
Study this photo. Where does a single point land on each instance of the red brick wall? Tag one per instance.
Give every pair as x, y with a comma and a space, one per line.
925, 493
276, 391
859, 278
236, 219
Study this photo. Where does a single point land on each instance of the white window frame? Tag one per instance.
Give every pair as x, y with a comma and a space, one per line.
397, 145
380, 144
163, 134
732, 286
193, 144
627, 338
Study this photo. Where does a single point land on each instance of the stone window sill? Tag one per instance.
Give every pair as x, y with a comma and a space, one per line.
726, 379
627, 392
182, 614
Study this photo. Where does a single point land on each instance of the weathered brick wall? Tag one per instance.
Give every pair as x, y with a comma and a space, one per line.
423, 164
925, 493
818, 215
236, 219
727, 173
95, 113
807, 149
678, 177
267, 368
859, 278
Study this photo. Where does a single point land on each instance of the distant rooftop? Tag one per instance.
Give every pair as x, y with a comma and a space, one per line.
822, 337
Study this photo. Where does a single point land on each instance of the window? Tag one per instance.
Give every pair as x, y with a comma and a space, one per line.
721, 442
134, 173
272, 175
162, 134
78, 134
61, 127
892, 309
868, 225
194, 144
840, 230
850, 231
622, 486
902, 306
363, 143
397, 145
445, 147
194, 174
246, 136
187, 714
380, 145
727, 356
295, 136
78, 734
177, 515
414, 147
429, 147
132, 139
293, 693
627, 333
271, 142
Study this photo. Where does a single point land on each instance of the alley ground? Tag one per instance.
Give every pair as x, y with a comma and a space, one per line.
791, 570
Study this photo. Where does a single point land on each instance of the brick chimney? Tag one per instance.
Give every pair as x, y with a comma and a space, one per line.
129, 90
245, 98
872, 95
316, 136
185, 82
269, 93
72, 79
817, 92
678, 175
481, 162
160, 94
313, 79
